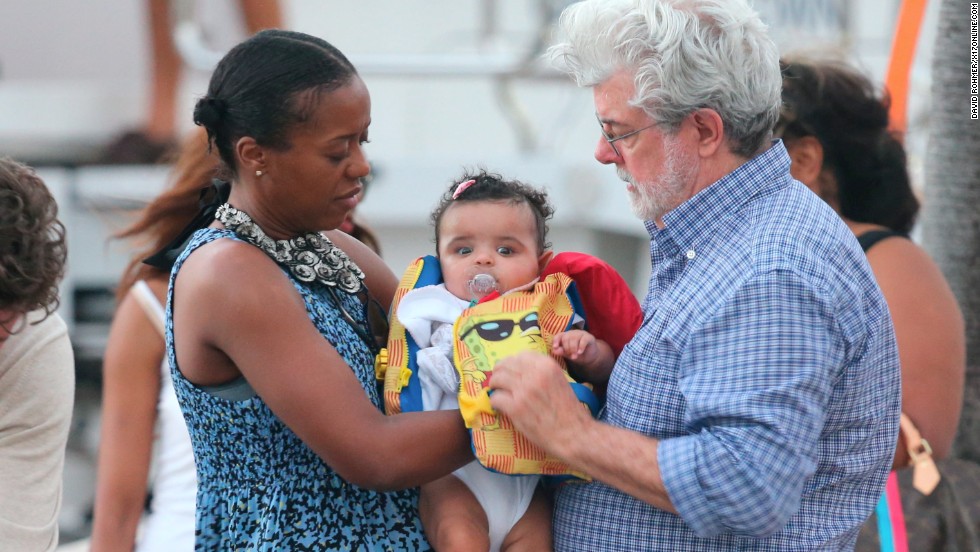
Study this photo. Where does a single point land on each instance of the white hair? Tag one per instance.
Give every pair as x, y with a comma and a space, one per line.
652, 199
684, 55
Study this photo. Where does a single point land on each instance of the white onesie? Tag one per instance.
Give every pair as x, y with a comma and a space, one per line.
428, 314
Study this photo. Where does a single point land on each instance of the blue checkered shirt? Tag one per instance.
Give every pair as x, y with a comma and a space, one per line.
766, 366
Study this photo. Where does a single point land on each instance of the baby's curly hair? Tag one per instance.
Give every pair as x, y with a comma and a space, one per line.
32, 242
492, 187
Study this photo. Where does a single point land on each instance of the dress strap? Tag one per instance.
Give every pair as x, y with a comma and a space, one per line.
151, 305
869, 239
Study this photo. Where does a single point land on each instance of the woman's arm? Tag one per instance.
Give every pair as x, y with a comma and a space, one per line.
236, 312
130, 388
931, 340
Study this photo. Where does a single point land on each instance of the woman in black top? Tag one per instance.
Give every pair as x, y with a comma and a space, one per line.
835, 127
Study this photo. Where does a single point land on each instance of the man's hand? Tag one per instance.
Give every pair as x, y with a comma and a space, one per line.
532, 390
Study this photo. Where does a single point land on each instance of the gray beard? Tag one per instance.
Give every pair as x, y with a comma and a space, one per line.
653, 200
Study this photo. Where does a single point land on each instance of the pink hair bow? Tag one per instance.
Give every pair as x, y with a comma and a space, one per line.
463, 186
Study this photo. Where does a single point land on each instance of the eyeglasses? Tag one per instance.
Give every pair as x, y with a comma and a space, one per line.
373, 331
611, 139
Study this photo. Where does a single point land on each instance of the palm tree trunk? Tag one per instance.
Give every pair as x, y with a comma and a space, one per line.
951, 211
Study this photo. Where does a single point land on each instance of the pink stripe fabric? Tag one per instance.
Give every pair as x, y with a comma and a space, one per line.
900, 538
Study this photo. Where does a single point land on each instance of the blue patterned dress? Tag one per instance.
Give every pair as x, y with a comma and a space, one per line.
259, 486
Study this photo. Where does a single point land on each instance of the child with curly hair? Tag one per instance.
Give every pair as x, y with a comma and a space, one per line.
491, 238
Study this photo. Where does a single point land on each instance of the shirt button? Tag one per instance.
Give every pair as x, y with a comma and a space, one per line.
690, 254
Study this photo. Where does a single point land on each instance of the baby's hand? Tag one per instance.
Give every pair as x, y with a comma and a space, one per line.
576, 345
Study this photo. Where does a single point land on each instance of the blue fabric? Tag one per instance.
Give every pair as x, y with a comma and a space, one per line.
411, 395
259, 486
884, 520
766, 366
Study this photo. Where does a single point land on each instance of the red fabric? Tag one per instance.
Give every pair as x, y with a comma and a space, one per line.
612, 312
489, 297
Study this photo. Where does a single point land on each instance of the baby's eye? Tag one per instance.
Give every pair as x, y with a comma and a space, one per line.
505, 251
464, 250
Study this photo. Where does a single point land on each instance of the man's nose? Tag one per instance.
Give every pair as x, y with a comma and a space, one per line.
604, 152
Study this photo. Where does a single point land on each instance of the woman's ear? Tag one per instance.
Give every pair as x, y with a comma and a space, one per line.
806, 154
250, 155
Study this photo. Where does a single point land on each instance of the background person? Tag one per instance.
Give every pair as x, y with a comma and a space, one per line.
156, 138
757, 406
142, 427
835, 127
268, 331
37, 366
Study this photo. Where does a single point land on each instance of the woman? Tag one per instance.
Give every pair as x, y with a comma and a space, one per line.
144, 441
268, 329
835, 128
142, 426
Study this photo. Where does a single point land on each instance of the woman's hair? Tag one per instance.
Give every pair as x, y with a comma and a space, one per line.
684, 55
839, 106
164, 217
491, 187
32, 242
266, 85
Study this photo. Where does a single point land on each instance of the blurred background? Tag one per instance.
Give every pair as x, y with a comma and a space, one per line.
454, 85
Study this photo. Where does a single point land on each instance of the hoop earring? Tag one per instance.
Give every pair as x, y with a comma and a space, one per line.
259, 173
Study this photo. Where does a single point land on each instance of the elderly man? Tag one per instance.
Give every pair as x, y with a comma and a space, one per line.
757, 406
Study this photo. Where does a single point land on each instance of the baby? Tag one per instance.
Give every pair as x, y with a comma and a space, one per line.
490, 238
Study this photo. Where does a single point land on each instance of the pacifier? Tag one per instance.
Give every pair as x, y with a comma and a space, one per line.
481, 285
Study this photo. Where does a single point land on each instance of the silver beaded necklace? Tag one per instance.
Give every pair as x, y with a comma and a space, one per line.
310, 258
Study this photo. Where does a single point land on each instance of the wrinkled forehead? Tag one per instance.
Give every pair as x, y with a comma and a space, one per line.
615, 98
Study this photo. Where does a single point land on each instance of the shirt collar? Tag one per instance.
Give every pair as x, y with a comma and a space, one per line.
699, 215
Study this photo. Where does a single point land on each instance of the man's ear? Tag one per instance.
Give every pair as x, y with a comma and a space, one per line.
251, 156
710, 131
806, 156
544, 259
